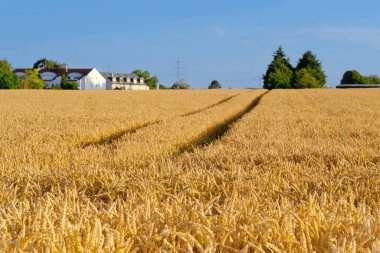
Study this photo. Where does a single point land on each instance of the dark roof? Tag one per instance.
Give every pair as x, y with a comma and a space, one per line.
121, 75
69, 71
20, 70
59, 72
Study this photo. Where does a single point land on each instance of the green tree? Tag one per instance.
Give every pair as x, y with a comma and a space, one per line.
8, 79
67, 85
280, 78
163, 87
371, 79
181, 85
304, 78
151, 82
148, 79
314, 67
352, 77
215, 85
279, 73
48, 64
142, 74
31, 80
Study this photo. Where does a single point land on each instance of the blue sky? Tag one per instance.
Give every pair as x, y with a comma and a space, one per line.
232, 41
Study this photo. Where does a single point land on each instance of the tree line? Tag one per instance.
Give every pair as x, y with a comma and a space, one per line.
282, 75
354, 77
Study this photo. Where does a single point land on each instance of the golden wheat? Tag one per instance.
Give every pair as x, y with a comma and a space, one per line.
49, 123
298, 173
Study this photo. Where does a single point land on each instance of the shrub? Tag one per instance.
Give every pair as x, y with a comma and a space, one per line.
304, 78
31, 80
8, 79
67, 85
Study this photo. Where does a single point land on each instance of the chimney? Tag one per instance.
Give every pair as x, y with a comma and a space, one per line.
67, 68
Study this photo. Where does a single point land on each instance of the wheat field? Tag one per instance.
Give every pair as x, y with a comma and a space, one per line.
190, 171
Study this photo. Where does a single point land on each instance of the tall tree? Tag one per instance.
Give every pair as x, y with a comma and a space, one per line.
280, 78
8, 79
48, 64
279, 73
314, 67
215, 85
31, 80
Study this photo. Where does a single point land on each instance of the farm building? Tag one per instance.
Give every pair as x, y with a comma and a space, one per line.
90, 79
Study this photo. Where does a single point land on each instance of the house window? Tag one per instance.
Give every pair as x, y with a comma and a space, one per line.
117, 79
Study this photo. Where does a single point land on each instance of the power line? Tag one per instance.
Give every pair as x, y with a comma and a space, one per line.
178, 70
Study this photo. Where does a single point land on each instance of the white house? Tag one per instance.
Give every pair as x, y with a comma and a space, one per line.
90, 79
121, 81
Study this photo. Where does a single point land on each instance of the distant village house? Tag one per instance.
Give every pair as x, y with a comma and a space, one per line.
90, 79
122, 81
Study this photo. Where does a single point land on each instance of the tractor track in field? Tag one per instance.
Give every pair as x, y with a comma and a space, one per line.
210, 106
218, 131
110, 139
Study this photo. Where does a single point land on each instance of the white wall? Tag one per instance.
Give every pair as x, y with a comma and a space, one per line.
93, 81
137, 87
130, 87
